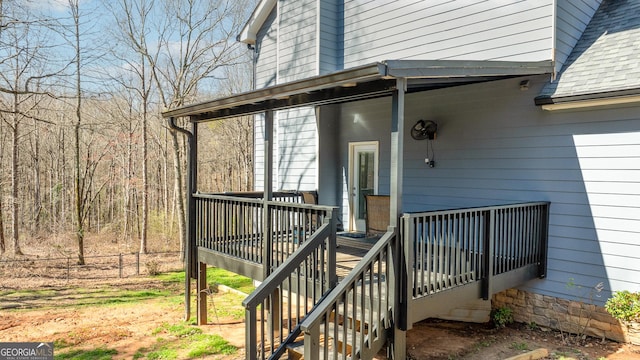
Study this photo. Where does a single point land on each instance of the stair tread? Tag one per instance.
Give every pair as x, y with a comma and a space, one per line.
297, 347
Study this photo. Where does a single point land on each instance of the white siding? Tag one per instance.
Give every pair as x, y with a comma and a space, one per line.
265, 75
266, 52
297, 40
297, 50
297, 154
464, 30
287, 42
495, 146
571, 19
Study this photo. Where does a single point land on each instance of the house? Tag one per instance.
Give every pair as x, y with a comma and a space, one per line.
506, 133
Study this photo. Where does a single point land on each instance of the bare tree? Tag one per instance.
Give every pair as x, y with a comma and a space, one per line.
190, 43
23, 70
133, 29
84, 171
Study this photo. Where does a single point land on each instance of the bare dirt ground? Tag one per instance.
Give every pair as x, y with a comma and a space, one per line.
438, 339
130, 327
125, 328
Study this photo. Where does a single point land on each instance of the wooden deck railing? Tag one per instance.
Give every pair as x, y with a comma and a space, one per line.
236, 226
486, 245
434, 260
353, 321
276, 308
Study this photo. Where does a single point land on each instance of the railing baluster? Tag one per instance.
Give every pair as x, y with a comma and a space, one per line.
465, 245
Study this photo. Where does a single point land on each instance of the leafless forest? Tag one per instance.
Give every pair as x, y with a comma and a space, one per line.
83, 148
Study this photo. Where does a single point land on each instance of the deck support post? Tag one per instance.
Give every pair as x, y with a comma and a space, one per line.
331, 253
202, 293
489, 251
399, 345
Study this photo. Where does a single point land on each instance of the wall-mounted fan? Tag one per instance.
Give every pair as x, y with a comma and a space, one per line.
424, 129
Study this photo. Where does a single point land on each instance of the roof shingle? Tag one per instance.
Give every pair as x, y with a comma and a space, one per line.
607, 56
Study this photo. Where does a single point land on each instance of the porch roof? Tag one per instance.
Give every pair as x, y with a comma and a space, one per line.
363, 82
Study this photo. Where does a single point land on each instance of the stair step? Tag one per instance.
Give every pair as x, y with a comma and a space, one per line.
296, 350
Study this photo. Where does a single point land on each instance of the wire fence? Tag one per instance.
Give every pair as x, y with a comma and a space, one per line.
96, 267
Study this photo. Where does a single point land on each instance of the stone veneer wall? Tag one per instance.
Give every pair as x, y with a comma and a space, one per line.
566, 315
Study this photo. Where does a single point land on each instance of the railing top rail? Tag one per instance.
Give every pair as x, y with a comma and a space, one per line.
255, 194
314, 318
260, 201
227, 198
477, 208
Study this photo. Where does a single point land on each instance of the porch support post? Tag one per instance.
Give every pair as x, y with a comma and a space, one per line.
203, 293
267, 259
397, 165
194, 265
268, 192
189, 249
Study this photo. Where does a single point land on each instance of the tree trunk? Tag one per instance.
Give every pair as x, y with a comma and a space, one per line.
179, 195
145, 183
79, 185
15, 220
78, 191
37, 200
3, 246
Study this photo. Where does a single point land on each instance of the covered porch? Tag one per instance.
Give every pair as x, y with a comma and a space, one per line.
424, 261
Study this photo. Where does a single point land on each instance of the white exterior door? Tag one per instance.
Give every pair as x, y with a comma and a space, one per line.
363, 180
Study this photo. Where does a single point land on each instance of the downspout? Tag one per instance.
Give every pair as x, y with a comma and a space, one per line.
190, 253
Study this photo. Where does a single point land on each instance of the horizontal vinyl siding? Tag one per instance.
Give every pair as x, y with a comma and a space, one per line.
572, 18
297, 47
494, 146
258, 150
511, 30
331, 40
297, 153
266, 53
265, 75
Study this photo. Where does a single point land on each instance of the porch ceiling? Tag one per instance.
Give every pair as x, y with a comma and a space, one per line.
363, 82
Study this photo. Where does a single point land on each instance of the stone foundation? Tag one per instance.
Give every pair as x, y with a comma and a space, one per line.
566, 315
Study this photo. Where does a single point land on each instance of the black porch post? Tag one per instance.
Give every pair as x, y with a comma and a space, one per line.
267, 257
397, 164
268, 191
190, 254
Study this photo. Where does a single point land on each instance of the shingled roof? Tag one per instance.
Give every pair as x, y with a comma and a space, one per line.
605, 62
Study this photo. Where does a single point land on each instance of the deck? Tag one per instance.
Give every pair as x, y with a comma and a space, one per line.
341, 295
349, 253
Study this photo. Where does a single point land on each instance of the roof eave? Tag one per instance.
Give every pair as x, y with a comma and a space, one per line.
457, 68
371, 80
249, 32
587, 100
342, 78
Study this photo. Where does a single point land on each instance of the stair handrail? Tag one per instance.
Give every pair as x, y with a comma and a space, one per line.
275, 279
311, 324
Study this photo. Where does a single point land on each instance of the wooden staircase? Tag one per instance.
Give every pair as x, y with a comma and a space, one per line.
355, 319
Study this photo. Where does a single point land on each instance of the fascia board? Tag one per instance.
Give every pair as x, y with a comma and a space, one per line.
260, 13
